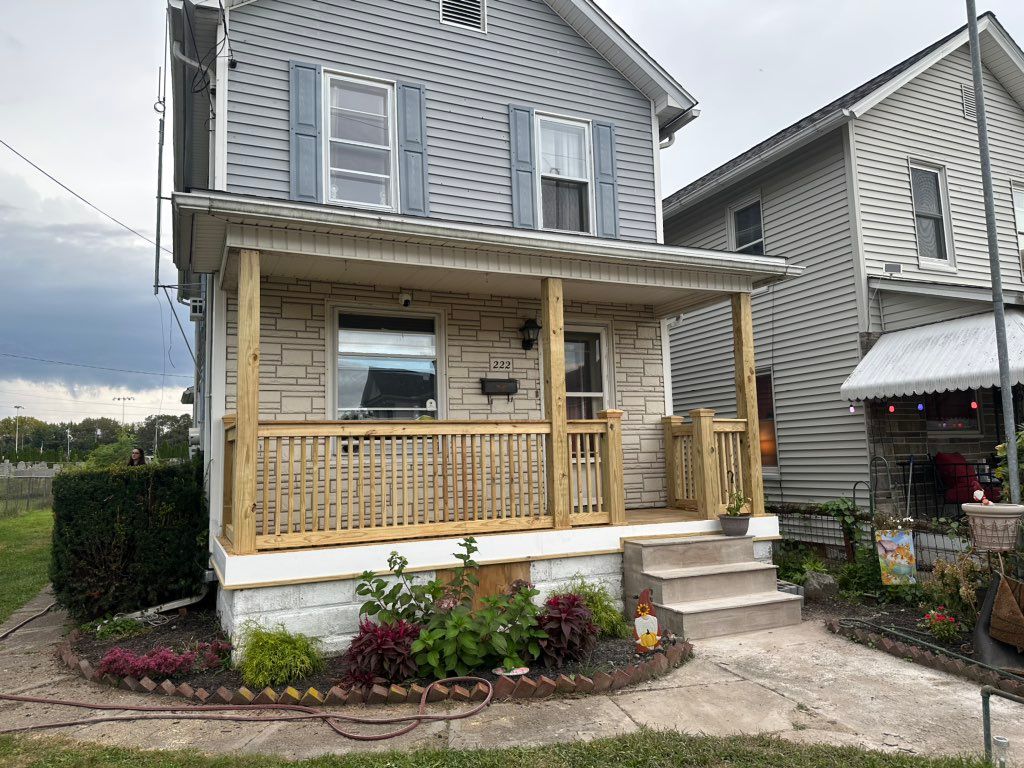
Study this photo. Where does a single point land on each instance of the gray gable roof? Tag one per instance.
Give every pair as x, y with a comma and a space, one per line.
825, 113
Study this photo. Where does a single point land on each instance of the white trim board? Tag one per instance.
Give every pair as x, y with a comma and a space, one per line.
327, 564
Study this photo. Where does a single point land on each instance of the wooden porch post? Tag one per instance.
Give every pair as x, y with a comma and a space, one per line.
553, 348
746, 398
707, 488
611, 467
248, 401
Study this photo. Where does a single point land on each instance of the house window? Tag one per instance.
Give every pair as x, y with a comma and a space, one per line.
747, 229
360, 143
766, 420
929, 214
387, 367
956, 411
1018, 217
584, 374
565, 183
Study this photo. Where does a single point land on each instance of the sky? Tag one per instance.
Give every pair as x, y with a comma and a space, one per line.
78, 80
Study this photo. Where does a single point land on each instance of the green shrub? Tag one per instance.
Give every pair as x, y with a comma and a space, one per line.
605, 613
117, 628
115, 454
277, 657
126, 538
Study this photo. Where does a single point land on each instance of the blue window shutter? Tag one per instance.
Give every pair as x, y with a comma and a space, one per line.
524, 188
606, 191
413, 173
306, 153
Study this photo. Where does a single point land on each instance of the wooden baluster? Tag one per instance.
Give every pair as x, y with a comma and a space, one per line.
588, 455
519, 477
278, 477
492, 486
502, 467
574, 452
542, 477
314, 465
530, 440
600, 442
293, 502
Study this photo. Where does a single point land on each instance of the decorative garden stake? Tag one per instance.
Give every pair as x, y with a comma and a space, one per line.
645, 625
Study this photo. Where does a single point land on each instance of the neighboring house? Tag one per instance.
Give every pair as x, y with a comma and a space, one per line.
423, 244
885, 345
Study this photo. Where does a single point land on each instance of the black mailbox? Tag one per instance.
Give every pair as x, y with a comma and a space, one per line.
498, 387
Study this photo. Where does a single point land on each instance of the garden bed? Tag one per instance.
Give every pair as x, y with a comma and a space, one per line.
612, 664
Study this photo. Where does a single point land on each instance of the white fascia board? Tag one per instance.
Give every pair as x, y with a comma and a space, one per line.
246, 210
941, 290
763, 160
923, 65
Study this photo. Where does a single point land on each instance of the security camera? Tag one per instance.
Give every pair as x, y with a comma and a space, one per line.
405, 299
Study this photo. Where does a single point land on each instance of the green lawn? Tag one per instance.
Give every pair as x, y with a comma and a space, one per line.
24, 558
645, 749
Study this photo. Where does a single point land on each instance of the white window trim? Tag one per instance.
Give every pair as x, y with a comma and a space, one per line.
334, 310
538, 181
483, 16
730, 221
391, 87
768, 471
934, 265
1018, 226
607, 333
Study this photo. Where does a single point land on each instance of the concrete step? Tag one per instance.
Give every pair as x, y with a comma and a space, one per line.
687, 551
699, 619
706, 582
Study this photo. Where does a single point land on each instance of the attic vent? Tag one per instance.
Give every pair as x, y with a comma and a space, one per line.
967, 92
471, 14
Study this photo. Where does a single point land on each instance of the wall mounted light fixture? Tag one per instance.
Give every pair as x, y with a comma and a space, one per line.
530, 331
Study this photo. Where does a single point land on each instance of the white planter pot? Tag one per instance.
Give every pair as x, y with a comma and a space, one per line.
994, 526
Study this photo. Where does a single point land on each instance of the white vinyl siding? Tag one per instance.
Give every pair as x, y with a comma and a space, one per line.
528, 56
924, 121
805, 330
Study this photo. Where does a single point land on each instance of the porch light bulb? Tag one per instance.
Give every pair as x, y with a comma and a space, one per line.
892, 409
974, 405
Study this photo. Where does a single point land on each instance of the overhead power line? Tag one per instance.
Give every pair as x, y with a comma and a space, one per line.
96, 367
68, 189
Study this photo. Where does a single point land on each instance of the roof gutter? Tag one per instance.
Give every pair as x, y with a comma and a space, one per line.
258, 211
806, 136
667, 132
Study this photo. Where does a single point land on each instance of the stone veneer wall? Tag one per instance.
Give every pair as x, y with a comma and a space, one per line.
293, 361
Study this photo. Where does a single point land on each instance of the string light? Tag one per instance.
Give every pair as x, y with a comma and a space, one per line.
853, 408
920, 406
892, 409
974, 405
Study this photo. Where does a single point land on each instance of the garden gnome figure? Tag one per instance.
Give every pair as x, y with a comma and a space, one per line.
645, 624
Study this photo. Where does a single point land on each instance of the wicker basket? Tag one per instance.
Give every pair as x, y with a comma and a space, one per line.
994, 526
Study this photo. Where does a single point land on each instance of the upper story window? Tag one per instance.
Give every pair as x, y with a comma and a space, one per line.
471, 14
930, 215
747, 228
361, 143
1018, 217
565, 174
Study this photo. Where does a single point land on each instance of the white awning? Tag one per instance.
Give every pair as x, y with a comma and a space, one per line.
951, 355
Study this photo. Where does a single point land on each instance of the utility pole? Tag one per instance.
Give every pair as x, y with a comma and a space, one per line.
123, 400
69, 443
998, 306
17, 415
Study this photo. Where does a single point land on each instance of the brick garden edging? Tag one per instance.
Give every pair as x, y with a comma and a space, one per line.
505, 688
927, 658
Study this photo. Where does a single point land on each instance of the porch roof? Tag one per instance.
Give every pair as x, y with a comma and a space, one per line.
952, 355
210, 225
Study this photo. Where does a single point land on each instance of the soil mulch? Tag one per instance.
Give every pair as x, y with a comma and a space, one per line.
185, 631
900, 617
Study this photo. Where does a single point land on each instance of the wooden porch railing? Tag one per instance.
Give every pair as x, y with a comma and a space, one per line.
706, 461
331, 483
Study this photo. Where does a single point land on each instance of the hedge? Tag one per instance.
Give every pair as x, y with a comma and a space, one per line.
126, 538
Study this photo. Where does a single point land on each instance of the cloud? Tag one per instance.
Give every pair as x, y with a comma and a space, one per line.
79, 290
56, 402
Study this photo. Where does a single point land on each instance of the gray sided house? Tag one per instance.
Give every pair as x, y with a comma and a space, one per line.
423, 244
884, 346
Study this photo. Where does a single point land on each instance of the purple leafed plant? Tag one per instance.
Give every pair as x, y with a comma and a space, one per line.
571, 631
381, 653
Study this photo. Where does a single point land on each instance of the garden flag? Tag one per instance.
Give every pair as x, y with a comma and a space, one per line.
896, 557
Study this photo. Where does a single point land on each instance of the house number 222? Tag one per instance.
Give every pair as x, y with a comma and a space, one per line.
502, 364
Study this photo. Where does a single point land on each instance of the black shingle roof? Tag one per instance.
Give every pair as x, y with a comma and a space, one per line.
845, 101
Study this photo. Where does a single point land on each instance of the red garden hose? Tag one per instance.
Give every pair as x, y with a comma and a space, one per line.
205, 711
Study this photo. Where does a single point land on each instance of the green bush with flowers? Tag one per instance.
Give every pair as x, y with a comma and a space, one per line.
943, 625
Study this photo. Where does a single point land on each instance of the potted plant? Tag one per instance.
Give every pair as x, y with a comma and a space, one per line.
736, 518
993, 526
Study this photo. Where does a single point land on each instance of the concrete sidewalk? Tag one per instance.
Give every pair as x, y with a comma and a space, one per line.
801, 683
